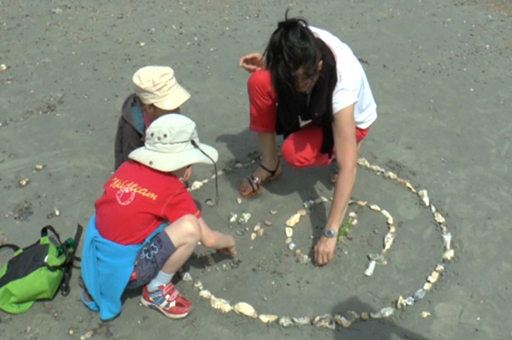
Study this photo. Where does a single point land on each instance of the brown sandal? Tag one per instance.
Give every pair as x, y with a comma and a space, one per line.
257, 184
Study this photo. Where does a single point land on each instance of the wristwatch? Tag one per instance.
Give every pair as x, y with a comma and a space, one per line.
329, 233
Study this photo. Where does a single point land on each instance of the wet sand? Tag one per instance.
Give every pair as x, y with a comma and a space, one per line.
440, 73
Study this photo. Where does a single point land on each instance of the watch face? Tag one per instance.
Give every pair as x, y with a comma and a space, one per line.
329, 233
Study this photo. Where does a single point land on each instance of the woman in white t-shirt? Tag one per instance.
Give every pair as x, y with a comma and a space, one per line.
309, 87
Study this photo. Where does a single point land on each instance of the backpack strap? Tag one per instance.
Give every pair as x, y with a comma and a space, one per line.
68, 270
14, 247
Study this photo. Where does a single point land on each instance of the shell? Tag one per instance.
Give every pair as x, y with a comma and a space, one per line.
288, 240
3, 67
273, 212
391, 175
232, 217
293, 220
239, 200
439, 268
354, 222
205, 294
261, 232
363, 162
410, 301
246, 309
390, 221
342, 321
447, 241
257, 227
196, 185
209, 202
297, 252
39, 167
370, 269
410, 187
268, 318
365, 316
288, 232
439, 218
425, 315
186, 277
267, 223
419, 294
321, 199
292, 246
352, 214
308, 204
246, 216
351, 316
388, 241
449, 255
386, 214
361, 203
302, 212
302, 321
424, 197
324, 321
378, 258
253, 236
400, 303
433, 208
87, 335
427, 286
198, 285
23, 182
304, 259
374, 207
383, 313
285, 322
220, 304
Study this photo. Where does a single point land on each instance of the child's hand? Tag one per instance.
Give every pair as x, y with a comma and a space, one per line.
230, 249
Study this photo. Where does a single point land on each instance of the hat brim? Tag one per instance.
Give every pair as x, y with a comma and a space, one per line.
167, 162
174, 99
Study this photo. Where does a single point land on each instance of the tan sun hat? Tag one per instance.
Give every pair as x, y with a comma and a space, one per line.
157, 85
170, 145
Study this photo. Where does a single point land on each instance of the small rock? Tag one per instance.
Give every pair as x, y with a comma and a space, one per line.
56, 10
365, 316
285, 322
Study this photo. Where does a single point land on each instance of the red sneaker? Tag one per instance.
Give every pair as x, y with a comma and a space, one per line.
168, 300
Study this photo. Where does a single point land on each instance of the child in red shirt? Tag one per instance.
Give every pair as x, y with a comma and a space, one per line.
146, 192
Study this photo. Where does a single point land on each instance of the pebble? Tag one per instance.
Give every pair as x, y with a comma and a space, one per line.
3, 67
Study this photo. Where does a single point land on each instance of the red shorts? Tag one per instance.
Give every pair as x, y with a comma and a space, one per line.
302, 148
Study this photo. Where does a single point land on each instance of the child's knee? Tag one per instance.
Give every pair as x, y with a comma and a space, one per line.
187, 227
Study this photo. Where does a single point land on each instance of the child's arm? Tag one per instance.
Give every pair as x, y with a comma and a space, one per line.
214, 239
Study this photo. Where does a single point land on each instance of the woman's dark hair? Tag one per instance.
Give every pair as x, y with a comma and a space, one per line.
291, 46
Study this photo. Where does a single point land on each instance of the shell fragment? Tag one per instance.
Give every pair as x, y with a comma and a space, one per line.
268, 318
370, 269
246, 309
293, 220
288, 232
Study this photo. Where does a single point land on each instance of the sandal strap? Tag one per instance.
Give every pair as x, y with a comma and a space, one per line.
272, 172
255, 182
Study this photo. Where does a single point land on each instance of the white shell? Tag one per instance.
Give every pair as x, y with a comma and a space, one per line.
425, 315
288, 240
304, 259
293, 220
354, 222
386, 214
308, 204
288, 231
198, 285
292, 246
374, 207
448, 255
246, 309
363, 162
257, 227
253, 236
239, 200
196, 185
427, 286
439, 268
285, 322
352, 214
220, 304
439, 218
378, 258
391, 175
424, 197
342, 321
205, 294
447, 241
410, 187
324, 321
261, 232
361, 203
321, 199
186, 277
302, 321
233, 217
383, 313
370, 269
400, 303
268, 318
433, 277
388, 241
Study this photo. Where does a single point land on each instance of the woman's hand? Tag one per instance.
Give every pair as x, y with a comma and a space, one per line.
252, 62
324, 250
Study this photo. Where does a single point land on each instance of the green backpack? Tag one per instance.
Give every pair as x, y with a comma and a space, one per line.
37, 271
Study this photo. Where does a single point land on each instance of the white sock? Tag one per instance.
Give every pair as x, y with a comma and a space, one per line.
161, 279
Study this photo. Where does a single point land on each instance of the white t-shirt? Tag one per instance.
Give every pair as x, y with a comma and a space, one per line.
352, 86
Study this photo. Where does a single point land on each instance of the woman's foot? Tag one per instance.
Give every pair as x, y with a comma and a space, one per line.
253, 184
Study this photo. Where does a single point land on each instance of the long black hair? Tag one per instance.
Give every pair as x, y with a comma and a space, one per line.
291, 47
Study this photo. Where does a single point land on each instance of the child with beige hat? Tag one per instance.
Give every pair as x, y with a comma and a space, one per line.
156, 93
147, 225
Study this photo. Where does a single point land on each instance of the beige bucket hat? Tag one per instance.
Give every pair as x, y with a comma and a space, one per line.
157, 85
171, 144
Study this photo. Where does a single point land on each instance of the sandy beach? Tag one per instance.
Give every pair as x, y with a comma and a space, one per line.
441, 76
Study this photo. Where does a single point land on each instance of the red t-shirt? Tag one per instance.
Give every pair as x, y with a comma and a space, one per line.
137, 199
